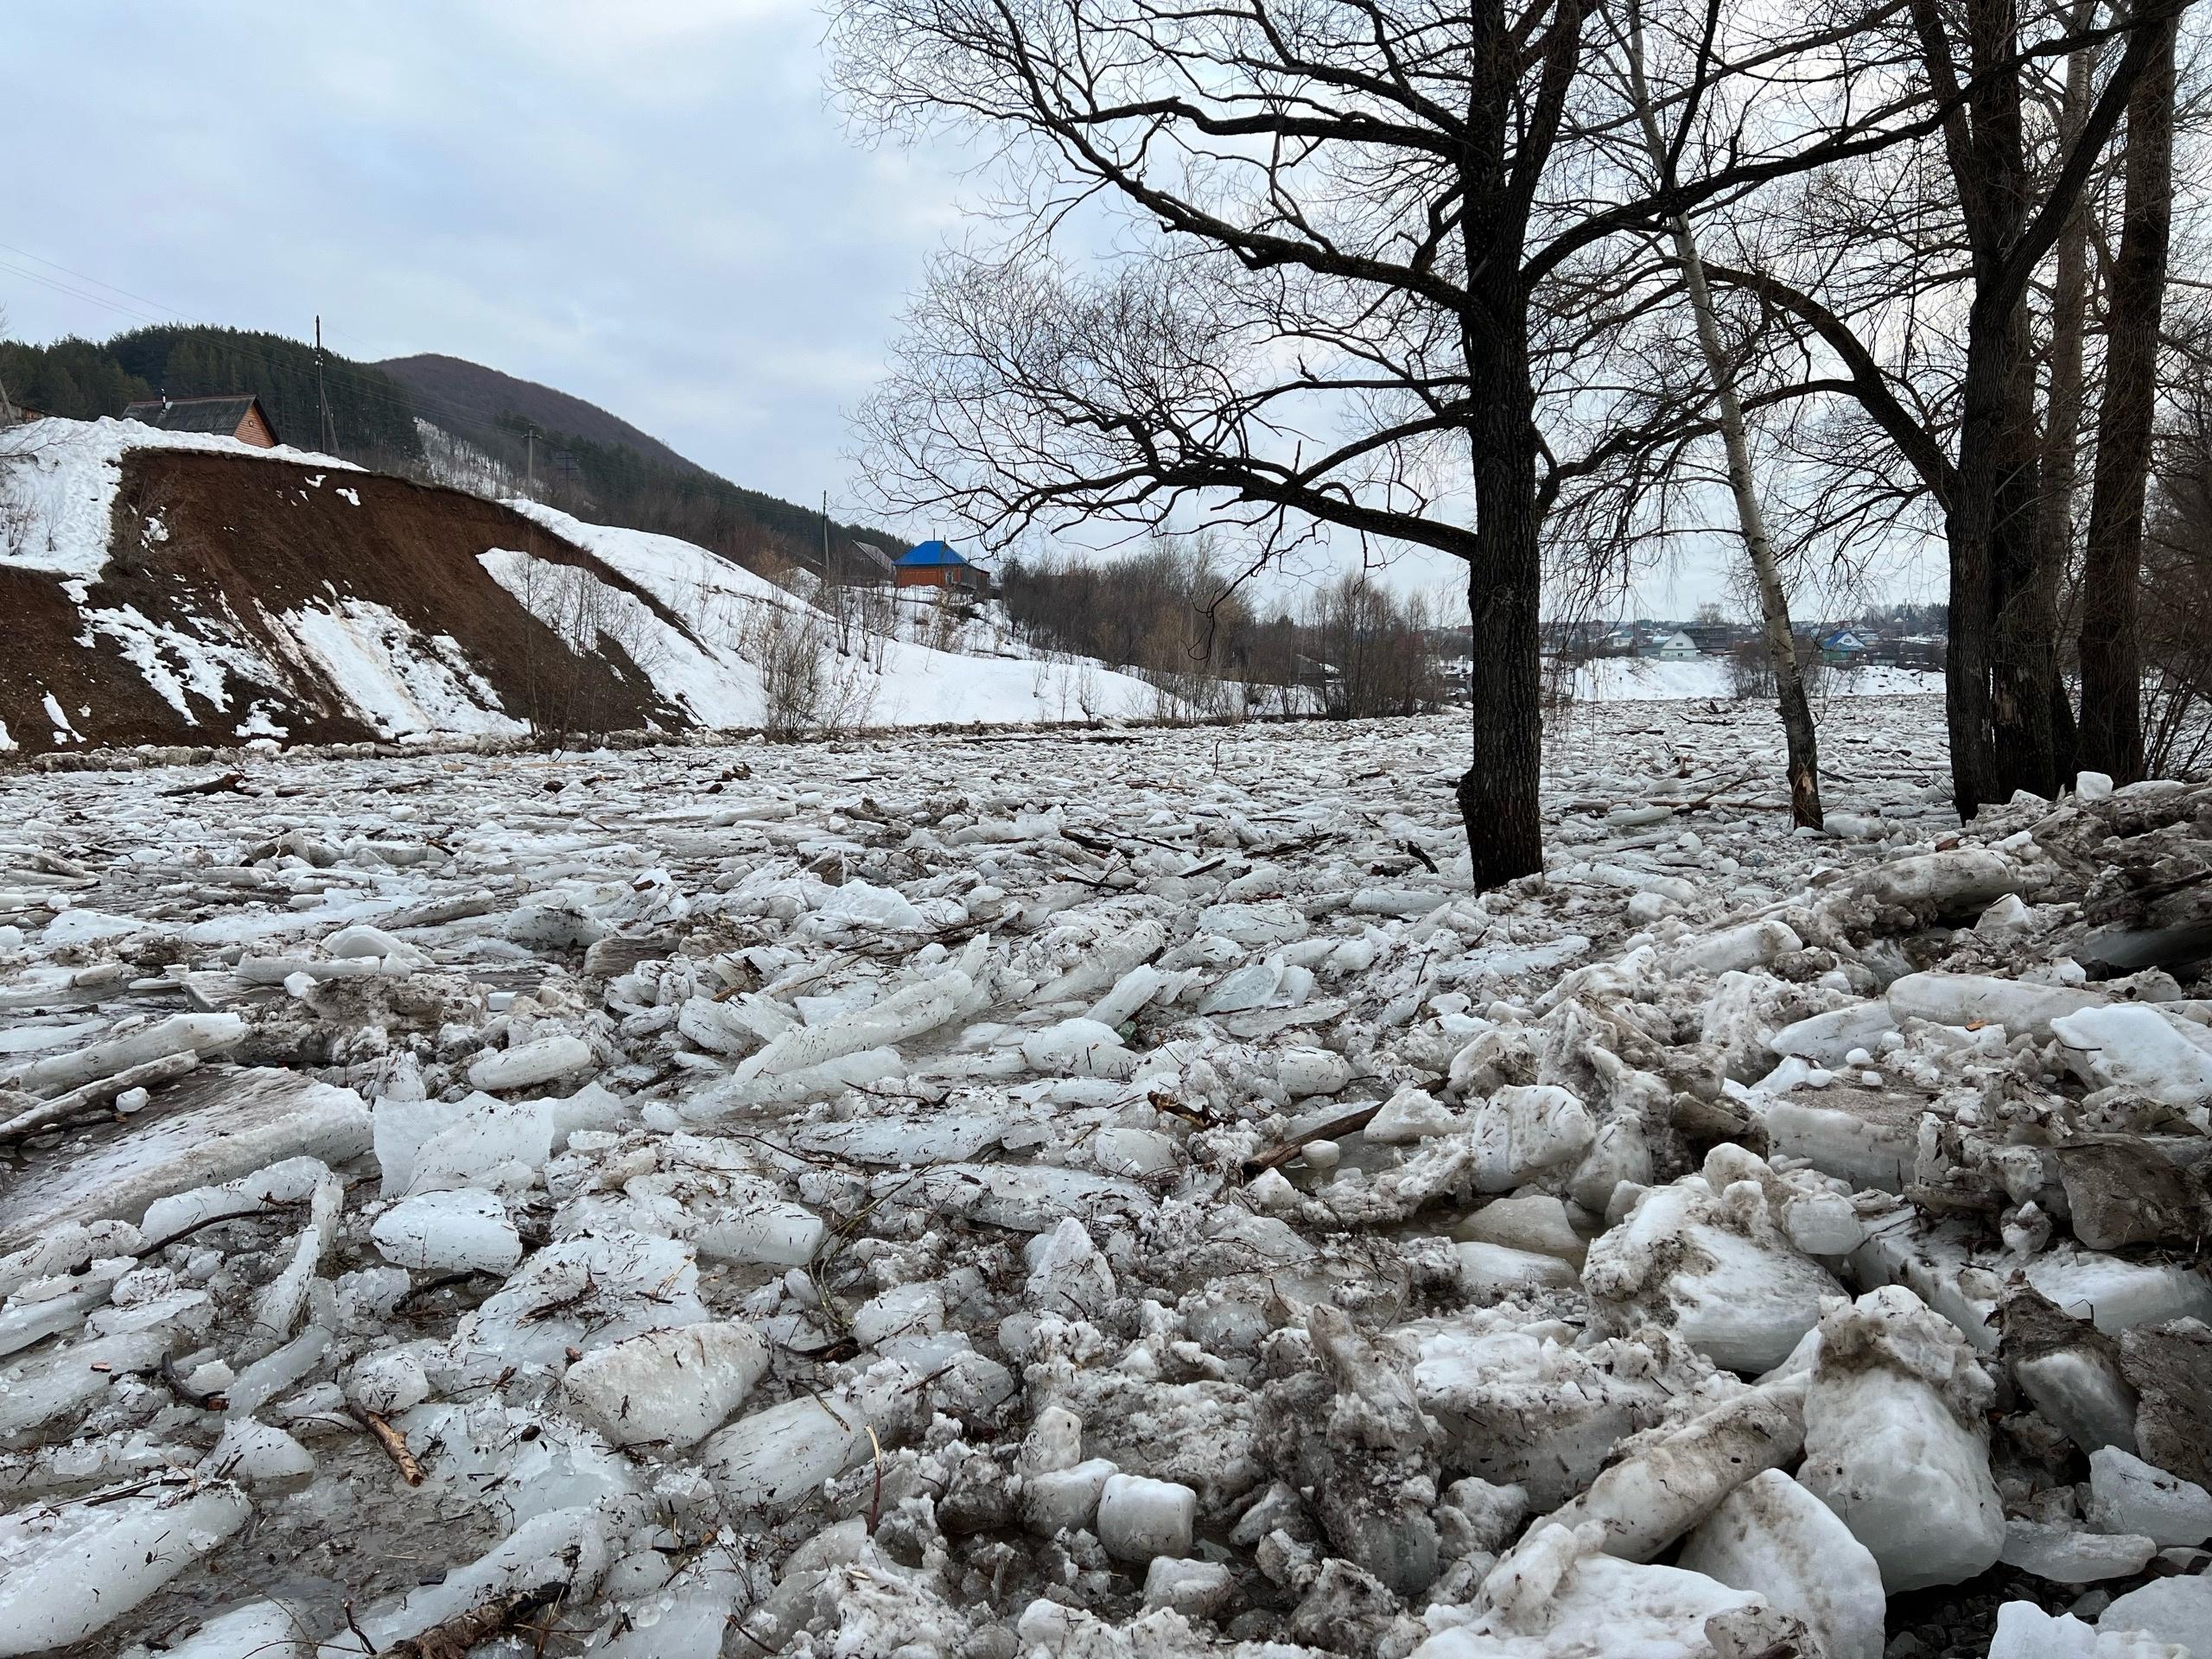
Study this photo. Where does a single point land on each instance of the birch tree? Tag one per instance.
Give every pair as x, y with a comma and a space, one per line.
1801, 744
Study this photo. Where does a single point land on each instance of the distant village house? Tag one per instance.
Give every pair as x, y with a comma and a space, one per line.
934, 565
229, 415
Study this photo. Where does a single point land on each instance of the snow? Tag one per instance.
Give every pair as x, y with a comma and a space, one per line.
718, 603
392, 677
1639, 679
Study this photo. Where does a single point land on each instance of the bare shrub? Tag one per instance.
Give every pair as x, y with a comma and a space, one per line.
1375, 646
808, 687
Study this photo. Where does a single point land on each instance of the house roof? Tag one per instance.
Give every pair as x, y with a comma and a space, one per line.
929, 553
221, 413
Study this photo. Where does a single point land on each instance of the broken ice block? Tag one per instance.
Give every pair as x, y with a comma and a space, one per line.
533, 1064
1894, 1442
1140, 1518
1772, 1536
56, 1555
460, 1230
670, 1386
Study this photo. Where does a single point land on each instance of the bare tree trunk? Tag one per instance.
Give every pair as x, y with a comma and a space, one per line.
1796, 709
1500, 794
2061, 438
2112, 668
2026, 658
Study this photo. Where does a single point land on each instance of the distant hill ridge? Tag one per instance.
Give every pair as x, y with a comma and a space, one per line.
586, 460
454, 390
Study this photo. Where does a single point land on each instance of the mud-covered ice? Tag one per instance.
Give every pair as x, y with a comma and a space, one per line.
1103, 1192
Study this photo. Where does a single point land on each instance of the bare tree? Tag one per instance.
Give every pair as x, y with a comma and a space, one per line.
1801, 745
1960, 260
2112, 657
1337, 217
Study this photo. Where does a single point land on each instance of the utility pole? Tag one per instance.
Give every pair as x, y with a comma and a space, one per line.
321, 402
530, 462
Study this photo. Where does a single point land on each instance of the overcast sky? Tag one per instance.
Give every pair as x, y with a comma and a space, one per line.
647, 203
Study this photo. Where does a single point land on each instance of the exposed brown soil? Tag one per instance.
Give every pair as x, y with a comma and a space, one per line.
250, 540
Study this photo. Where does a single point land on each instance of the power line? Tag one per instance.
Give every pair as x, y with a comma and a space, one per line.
83, 276
410, 401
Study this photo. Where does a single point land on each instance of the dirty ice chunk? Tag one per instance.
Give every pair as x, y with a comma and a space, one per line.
1660, 1490
1772, 1536
2177, 1610
491, 1143
1101, 967
53, 1554
789, 1087
687, 1619
1753, 944
761, 1225
1487, 1271
2083, 1393
1079, 1048
1413, 1113
1027, 1198
586, 1293
2064, 1554
908, 1012
460, 1230
52, 1383
2127, 1495
1828, 1038
564, 1548
1894, 1442
1252, 986
1525, 1127
1306, 1072
1742, 1299
1140, 1518
1964, 878
199, 1033
2135, 1047
1556, 1596
1131, 993
2115, 1294
768, 1463
257, 1452
1197, 1589
260, 1630
289, 1181
858, 904
2025, 1631
671, 1386
532, 1065
1982, 998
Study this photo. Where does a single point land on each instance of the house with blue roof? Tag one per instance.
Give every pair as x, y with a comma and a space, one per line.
937, 564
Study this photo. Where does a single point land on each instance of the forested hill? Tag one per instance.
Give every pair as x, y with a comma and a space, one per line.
372, 417
471, 400
583, 459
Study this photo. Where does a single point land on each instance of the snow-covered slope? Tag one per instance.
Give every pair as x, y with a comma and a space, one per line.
1644, 679
727, 616
186, 588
